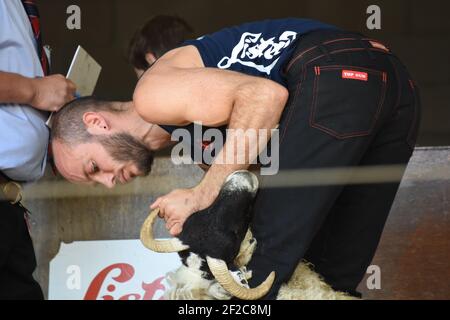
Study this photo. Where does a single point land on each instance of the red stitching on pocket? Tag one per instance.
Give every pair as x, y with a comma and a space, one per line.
293, 60
314, 103
337, 40
304, 70
336, 51
301, 54
293, 105
358, 49
351, 134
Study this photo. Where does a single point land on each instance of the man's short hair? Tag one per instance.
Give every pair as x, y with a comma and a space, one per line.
68, 125
159, 35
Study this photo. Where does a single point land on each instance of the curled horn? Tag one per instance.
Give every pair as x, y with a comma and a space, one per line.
223, 276
148, 239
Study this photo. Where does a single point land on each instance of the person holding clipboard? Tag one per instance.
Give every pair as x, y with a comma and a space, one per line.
27, 94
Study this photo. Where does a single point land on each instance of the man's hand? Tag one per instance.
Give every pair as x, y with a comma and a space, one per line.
180, 204
52, 92
48, 93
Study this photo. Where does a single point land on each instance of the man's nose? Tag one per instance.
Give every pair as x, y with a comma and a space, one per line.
108, 180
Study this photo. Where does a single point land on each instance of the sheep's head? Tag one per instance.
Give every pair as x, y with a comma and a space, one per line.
190, 282
214, 236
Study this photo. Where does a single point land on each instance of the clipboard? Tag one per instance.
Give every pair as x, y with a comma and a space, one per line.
84, 71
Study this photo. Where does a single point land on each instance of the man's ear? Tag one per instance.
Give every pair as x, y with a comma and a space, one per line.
96, 123
150, 58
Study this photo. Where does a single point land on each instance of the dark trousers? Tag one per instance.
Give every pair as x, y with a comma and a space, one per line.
17, 259
367, 117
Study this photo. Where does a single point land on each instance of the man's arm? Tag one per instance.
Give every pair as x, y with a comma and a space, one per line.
255, 108
48, 93
173, 95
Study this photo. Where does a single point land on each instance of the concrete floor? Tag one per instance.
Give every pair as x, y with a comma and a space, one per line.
414, 252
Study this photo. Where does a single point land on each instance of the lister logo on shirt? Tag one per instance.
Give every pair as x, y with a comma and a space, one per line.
355, 75
253, 47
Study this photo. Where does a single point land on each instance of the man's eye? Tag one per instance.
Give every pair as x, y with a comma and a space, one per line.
94, 168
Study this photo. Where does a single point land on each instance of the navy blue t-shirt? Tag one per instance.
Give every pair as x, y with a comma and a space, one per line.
257, 48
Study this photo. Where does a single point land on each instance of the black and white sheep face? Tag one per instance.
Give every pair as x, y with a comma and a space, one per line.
191, 282
215, 235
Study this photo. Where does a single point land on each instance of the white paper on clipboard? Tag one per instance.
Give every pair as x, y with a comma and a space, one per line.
84, 71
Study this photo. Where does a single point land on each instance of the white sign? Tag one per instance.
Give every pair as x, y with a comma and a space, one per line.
109, 270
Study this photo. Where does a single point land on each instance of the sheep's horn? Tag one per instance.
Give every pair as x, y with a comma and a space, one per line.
148, 239
220, 271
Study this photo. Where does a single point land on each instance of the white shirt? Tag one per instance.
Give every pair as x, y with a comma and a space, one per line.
23, 133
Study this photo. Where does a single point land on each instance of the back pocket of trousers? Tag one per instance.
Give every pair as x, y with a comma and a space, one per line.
347, 101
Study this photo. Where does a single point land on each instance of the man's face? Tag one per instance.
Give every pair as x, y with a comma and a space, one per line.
108, 161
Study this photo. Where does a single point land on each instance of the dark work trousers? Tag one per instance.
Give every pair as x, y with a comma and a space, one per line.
352, 104
17, 259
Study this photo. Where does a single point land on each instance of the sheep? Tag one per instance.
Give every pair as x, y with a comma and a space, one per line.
216, 245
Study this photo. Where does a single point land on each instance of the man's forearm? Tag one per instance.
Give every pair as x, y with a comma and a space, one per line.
253, 110
15, 88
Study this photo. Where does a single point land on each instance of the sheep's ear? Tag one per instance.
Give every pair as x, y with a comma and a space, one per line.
246, 250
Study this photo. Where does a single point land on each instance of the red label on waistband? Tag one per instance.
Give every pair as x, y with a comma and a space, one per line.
355, 75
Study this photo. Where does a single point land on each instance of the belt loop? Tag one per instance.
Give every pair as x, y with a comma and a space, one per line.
365, 45
325, 51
